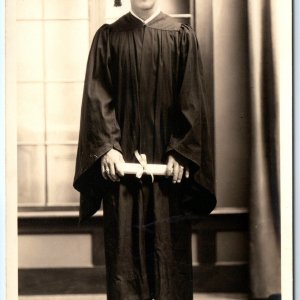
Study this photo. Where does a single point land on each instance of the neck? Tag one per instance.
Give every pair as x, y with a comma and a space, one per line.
144, 14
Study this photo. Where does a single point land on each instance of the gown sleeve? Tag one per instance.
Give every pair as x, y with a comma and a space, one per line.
99, 131
191, 137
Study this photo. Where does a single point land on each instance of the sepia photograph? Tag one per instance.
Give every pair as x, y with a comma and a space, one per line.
148, 149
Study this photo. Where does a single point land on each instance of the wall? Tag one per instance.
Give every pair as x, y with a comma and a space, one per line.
221, 27
231, 113
223, 38
231, 100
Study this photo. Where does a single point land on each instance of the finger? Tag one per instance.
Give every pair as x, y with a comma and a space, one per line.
108, 172
170, 166
112, 172
119, 170
103, 172
104, 166
110, 177
175, 172
180, 173
187, 173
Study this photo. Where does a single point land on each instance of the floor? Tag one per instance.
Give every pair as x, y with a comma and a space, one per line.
103, 297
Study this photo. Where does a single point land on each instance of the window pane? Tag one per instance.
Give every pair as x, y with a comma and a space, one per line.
112, 13
66, 9
195, 258
31, 175
183, 20
67, 46
29, 9
175, 6
30, 51
31, 125
167, 6
61, 166
63, 111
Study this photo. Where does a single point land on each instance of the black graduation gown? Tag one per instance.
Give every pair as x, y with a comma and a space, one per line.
144, 91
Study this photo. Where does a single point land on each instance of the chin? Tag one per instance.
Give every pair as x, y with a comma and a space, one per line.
143, 4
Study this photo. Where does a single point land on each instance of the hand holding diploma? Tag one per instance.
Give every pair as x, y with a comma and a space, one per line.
176, 167
110, 168
113, 166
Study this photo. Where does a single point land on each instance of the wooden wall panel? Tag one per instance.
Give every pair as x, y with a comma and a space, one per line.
209, 275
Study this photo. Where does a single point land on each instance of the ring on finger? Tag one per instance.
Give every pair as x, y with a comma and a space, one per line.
106, 170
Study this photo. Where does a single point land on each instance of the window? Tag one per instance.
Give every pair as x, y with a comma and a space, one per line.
182, 10
53, 43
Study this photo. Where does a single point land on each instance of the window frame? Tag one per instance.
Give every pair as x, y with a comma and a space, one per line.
96, 17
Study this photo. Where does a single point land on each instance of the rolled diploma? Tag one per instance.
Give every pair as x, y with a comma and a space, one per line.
132, 168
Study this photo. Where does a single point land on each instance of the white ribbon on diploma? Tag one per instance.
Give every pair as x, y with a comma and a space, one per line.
143, 167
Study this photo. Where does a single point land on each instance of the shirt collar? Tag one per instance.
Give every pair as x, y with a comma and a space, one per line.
154, 15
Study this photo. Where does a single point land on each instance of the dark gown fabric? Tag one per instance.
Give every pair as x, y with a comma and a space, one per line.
144, 91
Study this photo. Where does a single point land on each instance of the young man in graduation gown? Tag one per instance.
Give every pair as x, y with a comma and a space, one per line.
144, 91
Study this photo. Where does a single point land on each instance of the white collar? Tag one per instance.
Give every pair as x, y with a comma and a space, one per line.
154, 15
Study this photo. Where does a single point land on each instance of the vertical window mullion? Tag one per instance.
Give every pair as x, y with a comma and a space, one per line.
45, 103
192, 12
